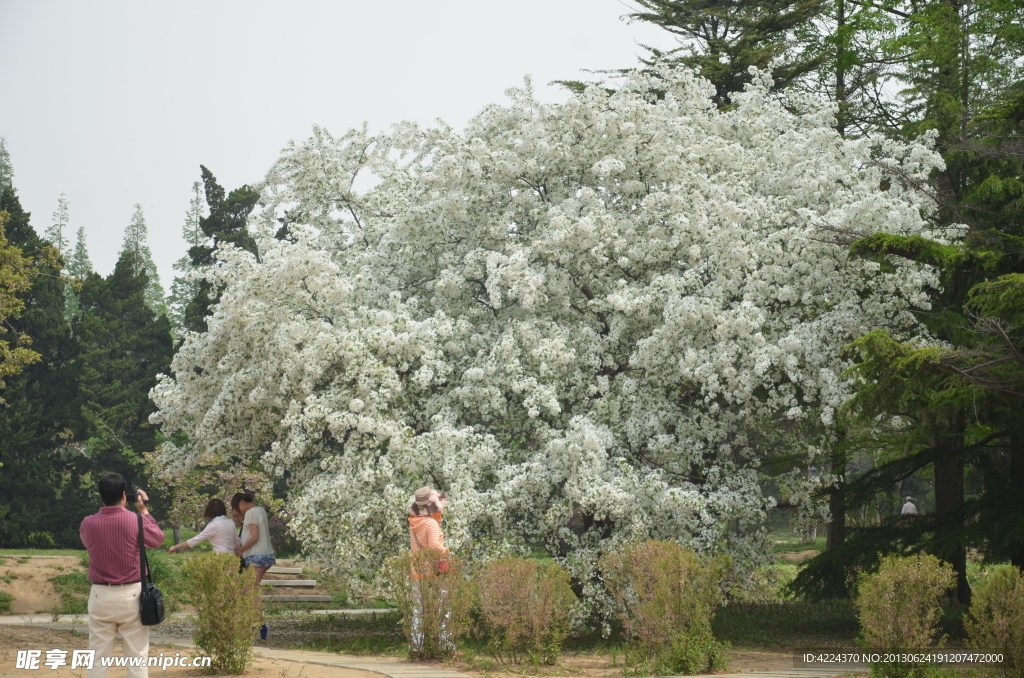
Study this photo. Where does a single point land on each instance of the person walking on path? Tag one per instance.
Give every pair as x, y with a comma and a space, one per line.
908, 508
255, 550
111, 537
220, 531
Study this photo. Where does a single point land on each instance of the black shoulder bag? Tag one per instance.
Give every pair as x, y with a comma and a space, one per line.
151, 600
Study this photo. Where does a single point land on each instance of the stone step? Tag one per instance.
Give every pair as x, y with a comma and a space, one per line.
307, 583
284, 570
296, 599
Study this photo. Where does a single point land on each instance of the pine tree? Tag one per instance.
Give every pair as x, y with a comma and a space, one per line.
184, 290
141, 260
124, 346
225, 224
55, 233
6, 170
78, 267
79, 264
41, 475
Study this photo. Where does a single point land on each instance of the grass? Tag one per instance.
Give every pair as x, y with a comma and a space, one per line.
73, 589
355, 634
5, 601
16, 553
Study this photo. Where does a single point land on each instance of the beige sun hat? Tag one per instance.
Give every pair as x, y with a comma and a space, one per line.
422, 496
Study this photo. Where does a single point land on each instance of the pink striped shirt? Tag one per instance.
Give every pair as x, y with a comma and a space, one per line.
112, 539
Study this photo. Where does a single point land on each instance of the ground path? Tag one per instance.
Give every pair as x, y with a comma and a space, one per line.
392, 668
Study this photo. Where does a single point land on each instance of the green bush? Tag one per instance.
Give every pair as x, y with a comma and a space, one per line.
435, 607
524, 608
666, 596
899, 610
996, 621
5, 601
228, 610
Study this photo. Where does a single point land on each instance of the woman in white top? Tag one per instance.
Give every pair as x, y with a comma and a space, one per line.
255, 548
256, 551
220, 531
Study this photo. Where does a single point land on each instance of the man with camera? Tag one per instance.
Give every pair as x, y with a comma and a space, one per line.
111, 537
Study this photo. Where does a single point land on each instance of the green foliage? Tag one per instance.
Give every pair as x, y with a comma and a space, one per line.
997, 619
434, 595
123, 348
722, 40
41, 480
666, 597
226, 223
898, 607
524, 608
228, 611
5, 601
73, 589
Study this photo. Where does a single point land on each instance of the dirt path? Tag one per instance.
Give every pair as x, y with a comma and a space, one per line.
27, 579
28, 638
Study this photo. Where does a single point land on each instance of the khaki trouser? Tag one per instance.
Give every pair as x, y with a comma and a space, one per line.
113, 610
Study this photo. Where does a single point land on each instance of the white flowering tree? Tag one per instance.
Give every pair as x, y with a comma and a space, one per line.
580, 320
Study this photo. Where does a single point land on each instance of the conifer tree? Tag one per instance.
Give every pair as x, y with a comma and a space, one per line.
56, 232
184, 290
41, 474
6, 170
140, 257
226, 223
78, 267
124, 345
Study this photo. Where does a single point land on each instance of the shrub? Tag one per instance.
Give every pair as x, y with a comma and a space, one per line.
898, 607
997, 619
227, 602
435, 607
524, 608
666, 596
5, 601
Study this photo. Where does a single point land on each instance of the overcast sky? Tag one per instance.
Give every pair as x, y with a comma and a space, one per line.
117, 103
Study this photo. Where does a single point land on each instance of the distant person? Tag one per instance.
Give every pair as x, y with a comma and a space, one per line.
220, 531
111, 537
908, 508
425, 513
255, 550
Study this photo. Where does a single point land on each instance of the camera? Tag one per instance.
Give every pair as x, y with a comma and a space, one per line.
132, 497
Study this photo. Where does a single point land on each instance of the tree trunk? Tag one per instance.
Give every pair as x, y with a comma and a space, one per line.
949, 497
1017, 480
177, 534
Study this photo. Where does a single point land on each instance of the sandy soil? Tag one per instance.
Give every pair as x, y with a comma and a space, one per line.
29, 582
603, 666
27, 638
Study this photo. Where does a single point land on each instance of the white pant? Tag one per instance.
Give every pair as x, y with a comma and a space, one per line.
113, 610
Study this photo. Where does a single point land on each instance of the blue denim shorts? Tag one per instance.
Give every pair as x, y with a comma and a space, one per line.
267, 560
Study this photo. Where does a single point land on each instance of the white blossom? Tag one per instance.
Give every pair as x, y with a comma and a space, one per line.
577, 319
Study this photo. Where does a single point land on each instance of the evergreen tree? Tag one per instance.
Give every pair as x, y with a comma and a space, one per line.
722, 39
226, 223
6, 169
124, 346
41, 472
141, 259
79, 264
55, 233
184, 290
78, 267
